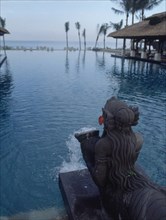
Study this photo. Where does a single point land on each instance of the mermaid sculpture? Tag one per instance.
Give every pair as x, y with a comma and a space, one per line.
126, 194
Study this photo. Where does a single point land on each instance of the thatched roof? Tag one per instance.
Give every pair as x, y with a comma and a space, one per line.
151, 27
3, 31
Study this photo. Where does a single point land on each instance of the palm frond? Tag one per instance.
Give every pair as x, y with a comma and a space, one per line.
152, 4
67, 26
78, 26
117, 26
138, 16
116, 11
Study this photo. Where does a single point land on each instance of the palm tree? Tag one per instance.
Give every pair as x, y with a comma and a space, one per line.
134, 7
98, 34
147, 5
66, 30
78, 26
126, 7
84, 36
116, 27
102, 30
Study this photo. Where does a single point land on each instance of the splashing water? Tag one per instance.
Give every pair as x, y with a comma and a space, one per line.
75, 160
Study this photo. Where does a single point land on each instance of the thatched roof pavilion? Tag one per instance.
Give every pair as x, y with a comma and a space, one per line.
151, 27
151, 30
3, 31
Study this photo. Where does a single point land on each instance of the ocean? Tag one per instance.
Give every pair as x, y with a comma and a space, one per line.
59, 45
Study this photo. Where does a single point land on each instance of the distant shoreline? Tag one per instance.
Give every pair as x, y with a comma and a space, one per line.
57, 45
51, 49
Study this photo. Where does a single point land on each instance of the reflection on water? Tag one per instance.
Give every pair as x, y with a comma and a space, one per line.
100, 60
41, 107
141, 78
67, 62
78, 62
5, 87
83, 58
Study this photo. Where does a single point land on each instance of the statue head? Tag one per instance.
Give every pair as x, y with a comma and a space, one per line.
118, 115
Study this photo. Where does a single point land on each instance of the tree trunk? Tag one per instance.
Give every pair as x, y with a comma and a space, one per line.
104, 41
127, 18
142, 14
96, 41
79, 40
133, 18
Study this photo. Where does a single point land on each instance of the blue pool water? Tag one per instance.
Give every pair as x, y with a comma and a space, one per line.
46, 96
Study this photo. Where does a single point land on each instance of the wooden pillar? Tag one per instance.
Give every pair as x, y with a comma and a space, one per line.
149, 51
132, 52
143, 53
137, 46
157, 55
145, 42
124, 46
132, 44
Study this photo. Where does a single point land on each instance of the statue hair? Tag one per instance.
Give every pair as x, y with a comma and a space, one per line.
118, 121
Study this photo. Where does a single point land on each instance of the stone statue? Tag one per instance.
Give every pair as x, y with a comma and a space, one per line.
126, 193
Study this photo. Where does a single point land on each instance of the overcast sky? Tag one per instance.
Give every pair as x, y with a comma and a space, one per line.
44, 19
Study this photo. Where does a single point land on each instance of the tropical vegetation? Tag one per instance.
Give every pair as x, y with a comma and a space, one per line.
116, 27
66, 30
78, 26
146, 5
133, 8
102, 30
84, 36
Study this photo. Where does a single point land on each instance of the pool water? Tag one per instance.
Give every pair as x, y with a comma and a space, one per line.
47, 96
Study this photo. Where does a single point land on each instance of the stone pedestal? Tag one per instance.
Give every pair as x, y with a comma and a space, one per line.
80, 195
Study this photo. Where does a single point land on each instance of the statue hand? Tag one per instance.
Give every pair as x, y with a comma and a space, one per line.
86, 135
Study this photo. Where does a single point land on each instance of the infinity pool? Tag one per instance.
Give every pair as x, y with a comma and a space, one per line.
45, 97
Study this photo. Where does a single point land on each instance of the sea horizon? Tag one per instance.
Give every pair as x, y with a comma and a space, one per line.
33, 44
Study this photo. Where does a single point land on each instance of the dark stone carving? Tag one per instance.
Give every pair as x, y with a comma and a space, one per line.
125, 193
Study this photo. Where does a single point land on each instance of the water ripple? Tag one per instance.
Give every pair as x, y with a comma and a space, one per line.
44, 100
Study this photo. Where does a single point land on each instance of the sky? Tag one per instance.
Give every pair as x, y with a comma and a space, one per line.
44, 19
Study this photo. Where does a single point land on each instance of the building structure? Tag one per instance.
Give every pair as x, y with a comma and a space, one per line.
149, 33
